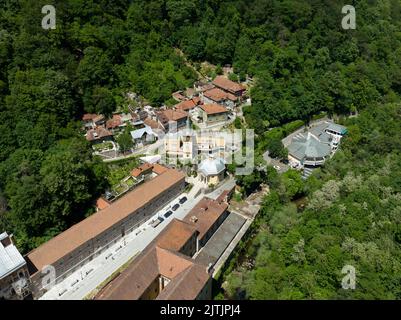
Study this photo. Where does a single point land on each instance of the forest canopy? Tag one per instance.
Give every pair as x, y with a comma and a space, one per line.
301, 61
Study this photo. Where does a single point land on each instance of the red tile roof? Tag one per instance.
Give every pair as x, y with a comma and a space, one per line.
228, 85
204, 215
89, 116
188, 104
114, 122
178, 96
213, 108
89, 228
98, 133
161, 258
171, 115
102, 203
147, 167
152, 123
218, 95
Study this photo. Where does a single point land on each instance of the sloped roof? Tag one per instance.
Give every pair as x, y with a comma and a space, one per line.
308, 146
89, 116
161, 257
10, 258
218, 95
63, 244
337, 128
211, 166
138, 133
98, 133
207, 212
213, 108
171, 115
227, 84
188, 104
114, 122
102, 203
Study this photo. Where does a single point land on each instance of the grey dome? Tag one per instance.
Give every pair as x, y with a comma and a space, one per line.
210, 166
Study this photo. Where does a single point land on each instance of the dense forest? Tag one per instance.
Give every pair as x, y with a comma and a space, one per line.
347, 213
301, 61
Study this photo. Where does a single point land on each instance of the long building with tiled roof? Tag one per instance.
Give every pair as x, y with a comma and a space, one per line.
87, 239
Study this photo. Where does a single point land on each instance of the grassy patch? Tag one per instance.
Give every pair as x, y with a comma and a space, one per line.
103, 146
120, 170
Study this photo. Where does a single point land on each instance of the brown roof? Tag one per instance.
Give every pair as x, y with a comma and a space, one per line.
176, 235
98, 133
218, 95
213, 108
228, 85
99, 117
152, 123
102, 203
205, 214
187, 284
187, 105
114, 122
146, 167
171, 115
178, 96
89, 228
89, 116
204, 86
132, 283
158, 168
161, 257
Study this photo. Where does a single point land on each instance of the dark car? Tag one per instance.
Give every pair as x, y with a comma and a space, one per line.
183, 199
168, 213
175, 207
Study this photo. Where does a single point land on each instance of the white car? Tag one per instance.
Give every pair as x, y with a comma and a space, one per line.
277, 167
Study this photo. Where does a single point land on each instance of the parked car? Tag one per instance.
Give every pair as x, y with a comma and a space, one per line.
175, 207
157, 222
168, 213
183, 199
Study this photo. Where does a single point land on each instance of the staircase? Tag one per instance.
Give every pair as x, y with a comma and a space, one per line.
307, 172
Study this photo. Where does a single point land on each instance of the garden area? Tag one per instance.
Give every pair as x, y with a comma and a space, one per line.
104, 146
119, 171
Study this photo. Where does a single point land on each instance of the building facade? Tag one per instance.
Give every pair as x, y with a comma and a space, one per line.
213, 113
78, 245
14, 276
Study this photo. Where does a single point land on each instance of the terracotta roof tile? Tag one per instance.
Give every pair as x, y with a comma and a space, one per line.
228, 85
89, 116
102, 203
213, 108
205, 214
171, 115
89, 228
218, 95
98, 133
186, 105
114, 122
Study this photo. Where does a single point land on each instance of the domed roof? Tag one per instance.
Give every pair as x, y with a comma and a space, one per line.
211, 166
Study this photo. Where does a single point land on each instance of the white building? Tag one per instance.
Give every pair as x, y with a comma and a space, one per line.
211, 170
14, 276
